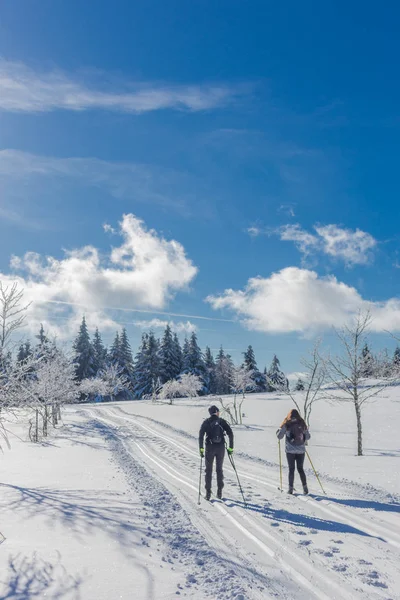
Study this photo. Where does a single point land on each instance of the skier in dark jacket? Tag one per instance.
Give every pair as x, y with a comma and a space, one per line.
296, 433
214, 428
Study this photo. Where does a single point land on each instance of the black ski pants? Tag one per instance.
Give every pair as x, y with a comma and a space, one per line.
292, 460
216, 451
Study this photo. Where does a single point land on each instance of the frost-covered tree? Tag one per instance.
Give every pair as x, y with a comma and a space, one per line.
108, 383
276, 379
170, 361
84, 356
12, 312
53, 385
99, 352
190, 385
241, 382
169, 390
396, 360
344, 372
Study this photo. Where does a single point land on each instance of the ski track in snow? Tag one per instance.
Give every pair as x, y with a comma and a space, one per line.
324, 573
207, 571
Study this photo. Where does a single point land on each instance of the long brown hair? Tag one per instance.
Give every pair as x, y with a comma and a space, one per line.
294, 415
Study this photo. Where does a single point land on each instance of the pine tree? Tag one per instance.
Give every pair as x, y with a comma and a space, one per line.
276, 378
84, 356
250, 364
43, 345
367, 362
299, 387
99, 352
210, 378
170, 362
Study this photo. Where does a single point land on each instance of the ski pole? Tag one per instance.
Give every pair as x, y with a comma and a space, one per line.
237, 476
316, 474
280, 464
201, 466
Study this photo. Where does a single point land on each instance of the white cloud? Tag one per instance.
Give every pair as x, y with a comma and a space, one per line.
24, 90
178, 326
354, 247
144, 272
303, 240
297, 300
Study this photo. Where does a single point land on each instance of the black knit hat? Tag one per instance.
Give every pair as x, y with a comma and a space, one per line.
213, 409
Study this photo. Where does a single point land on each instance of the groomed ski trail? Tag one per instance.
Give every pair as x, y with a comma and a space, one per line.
329, 579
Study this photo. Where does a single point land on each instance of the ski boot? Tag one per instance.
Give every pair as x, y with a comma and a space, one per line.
305, 489
219, 493
290, 490
208, 494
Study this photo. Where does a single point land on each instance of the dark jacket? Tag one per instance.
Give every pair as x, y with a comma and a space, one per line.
205, 429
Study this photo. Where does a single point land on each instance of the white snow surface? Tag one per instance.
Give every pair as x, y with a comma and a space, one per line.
108, 507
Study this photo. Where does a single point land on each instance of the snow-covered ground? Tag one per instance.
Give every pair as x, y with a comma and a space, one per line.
107, 508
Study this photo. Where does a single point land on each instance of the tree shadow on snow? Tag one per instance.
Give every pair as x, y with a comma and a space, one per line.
299, 520
371, 504
82, 434
33, 577
78, 510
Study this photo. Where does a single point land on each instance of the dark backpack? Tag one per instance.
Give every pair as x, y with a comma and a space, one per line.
215, 432
296, 434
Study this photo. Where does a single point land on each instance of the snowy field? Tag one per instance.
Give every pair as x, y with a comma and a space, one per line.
107, 508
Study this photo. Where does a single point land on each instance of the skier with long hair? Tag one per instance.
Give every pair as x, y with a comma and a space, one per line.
296, 433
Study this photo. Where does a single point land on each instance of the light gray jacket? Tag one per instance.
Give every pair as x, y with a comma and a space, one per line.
291, 448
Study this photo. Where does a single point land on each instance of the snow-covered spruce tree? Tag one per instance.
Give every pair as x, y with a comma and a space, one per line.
125, 361
367, 364
396, 361
139, 368
276, 379
114, 353
84, 356
250, 364
194, 360
170, 363
178, 353
99, 352
147, 367
345, 375
299, 387
210, 379
223, 372
185, 356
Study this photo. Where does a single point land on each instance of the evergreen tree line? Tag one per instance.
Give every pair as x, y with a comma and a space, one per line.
160, 360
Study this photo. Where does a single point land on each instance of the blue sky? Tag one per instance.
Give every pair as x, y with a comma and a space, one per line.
249, 140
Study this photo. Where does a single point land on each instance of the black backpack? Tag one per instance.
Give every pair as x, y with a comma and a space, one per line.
215, 432
296, 434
